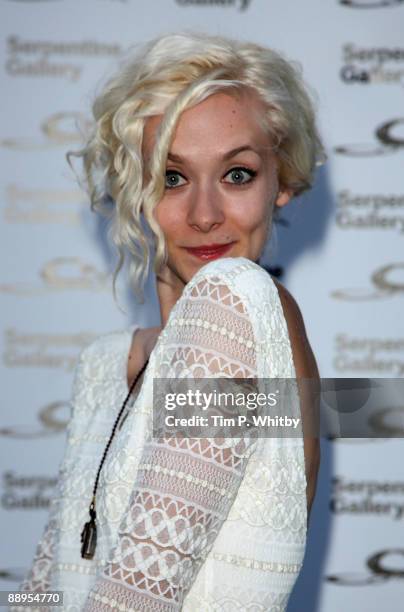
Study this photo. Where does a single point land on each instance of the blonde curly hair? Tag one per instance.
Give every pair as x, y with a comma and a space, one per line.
165, 76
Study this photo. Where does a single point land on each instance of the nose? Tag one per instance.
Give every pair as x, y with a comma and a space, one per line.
206, 210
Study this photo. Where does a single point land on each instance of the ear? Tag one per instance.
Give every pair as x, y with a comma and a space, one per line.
284, 195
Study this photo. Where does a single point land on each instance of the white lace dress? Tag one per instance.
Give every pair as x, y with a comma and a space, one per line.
183, 523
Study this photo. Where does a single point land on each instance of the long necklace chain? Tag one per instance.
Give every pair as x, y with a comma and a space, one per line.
89, 532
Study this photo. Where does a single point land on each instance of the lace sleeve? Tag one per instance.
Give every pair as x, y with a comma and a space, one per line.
38, 577
184, 487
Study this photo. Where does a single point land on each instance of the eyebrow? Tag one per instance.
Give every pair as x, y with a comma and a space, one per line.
226, 156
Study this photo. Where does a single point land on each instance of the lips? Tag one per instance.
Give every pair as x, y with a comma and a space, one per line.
210, 251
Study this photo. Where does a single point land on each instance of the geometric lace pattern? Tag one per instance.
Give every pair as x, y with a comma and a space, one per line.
173, 520
182, 523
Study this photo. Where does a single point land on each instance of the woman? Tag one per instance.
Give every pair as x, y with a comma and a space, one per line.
202, 137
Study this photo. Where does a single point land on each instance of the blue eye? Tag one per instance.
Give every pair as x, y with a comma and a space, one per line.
240, 174
172, 179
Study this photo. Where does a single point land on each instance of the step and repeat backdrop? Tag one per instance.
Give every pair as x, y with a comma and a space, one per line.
339, 250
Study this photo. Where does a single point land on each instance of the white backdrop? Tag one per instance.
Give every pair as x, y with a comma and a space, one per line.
340, 254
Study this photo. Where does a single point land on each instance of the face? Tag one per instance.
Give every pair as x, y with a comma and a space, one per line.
221, 184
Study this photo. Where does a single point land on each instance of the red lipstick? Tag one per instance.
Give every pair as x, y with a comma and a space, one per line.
209, 251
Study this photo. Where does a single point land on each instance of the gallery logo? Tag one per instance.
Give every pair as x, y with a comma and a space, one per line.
381, 499
386, 283
53, 419
381, 355
53, 58
59, 129
370, 4
60, 274
23, 491
35, 205
389, 141
371, 65
384, 565
388, 421
369, 211
43, 349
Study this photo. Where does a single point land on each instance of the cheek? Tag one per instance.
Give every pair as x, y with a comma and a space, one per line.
165, 217
261, 207
253, 211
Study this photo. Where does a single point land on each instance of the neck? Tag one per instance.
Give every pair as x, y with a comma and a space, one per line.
169, 290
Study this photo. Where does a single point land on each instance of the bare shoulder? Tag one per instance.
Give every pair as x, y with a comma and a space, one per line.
306, 367
303, 356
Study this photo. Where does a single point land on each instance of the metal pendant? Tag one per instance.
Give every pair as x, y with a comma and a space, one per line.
89, 537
